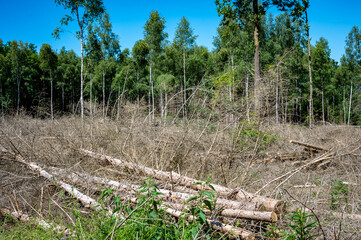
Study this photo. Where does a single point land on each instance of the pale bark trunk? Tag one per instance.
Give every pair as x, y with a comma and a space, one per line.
62, 97
310, 72
277, 80
344, 103
247, 94
257, 71
91, 96
81, 78
323, 105
18, 103
51, 96
103, 94
151, 86
184, 85
349, 106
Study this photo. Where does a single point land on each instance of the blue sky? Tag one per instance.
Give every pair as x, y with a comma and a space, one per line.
34, 21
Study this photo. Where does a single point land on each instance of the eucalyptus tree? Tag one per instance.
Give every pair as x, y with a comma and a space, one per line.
251, 11
84, 11
184, 39
48, 63
154, 36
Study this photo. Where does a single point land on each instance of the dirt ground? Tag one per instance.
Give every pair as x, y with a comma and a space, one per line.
197, 149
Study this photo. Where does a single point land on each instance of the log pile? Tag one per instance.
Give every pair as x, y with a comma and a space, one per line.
230, 204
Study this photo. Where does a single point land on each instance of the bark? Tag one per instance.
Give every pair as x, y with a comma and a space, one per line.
323, 105
51, 96
184, 85
103, 94
91, 96
349, 106
257, 71
247, 94
344, 103
309, 72
80, 23
268, 203
151, 86
277, 80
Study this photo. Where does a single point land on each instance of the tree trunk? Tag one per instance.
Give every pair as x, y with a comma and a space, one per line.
344, 103
103, 94
310, 72
184, 85
91, 96
257, 71
277, 80
231, 88
18, 102
51, 96
349, 106
247, 93
81, 77
151, 87
323, 105
62, 98
2, 100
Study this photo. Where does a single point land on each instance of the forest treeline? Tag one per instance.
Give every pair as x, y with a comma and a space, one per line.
168, 75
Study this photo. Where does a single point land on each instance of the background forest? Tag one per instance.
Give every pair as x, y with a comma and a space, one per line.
245, 76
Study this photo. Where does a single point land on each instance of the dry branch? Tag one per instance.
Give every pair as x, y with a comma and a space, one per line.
268, 203
307, 145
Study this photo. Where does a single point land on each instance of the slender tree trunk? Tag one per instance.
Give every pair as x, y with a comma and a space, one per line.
184, 85
231, 88
91, 96
166, 105
51, 96
82, 77
310, 72
151, 84
323, 104
349, 106
344, 103
103, 94
62, 98
257, 71
2, 100
161, 105
247, 95
18, 102
277, 80
297, 111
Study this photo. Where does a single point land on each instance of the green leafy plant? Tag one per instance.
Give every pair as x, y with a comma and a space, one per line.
302, 225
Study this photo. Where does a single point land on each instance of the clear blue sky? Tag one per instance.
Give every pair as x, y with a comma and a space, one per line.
34, 20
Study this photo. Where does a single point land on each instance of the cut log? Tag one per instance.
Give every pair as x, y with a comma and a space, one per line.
19, 216
244, 234
84, 199
307, 145
268, 203
234, 213
167, 195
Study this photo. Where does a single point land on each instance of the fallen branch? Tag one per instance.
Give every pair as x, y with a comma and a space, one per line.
307, 145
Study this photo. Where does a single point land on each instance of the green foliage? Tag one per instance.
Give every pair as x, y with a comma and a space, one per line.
248, 133
339, 193
302, 226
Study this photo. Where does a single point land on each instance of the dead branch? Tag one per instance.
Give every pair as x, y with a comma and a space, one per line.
307, 145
